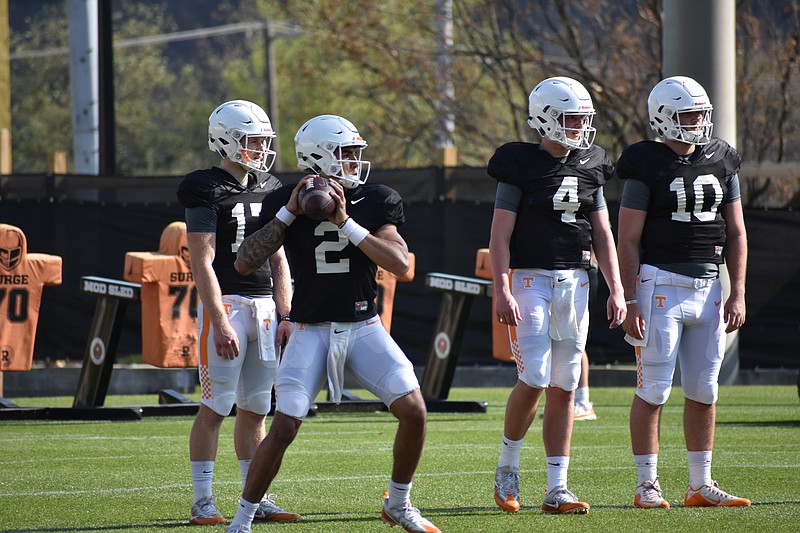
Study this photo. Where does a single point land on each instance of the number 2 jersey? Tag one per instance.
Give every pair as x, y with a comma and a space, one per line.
552, 230
334, 281
683, 224
237, 209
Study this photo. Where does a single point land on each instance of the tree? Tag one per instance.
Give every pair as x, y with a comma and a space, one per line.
379, 64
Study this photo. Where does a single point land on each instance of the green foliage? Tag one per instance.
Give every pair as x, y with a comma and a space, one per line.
135, 475
381, 65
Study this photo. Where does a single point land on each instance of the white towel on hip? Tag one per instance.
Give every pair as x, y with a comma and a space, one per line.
645, 288
563, 319
264, 313
337, 353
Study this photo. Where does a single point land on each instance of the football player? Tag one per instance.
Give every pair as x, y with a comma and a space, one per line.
680, 219
239, 334
336, 321
549, 213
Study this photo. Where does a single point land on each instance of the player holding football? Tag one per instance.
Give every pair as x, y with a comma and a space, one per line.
337, 324
549, 213
680, 219
239, 334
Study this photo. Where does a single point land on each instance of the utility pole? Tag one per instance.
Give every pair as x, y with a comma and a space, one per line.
5, 96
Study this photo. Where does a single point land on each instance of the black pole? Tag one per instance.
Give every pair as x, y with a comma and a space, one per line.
106, 90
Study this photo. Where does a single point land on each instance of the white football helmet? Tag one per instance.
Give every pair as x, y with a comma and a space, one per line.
319, 144
673, 96
551, 101
230, 126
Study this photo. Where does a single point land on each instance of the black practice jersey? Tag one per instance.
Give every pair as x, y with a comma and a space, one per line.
334, 281
237, 209
683, 224
552, 229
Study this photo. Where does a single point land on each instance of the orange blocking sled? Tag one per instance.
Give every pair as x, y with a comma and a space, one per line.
386, 288
22, 278
501, 346
169, 300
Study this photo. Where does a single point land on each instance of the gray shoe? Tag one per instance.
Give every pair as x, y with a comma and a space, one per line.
268, 511
562, 501
506, 488
205, 512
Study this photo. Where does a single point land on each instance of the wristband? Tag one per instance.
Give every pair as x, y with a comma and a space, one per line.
631, 302
285, 216
354, 231
286, 318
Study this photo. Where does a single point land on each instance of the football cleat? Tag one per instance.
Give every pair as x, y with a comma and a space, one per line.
712, 496
506, 488
562, 501
407, 517
585, 411
648, 496
268, 511
205, 512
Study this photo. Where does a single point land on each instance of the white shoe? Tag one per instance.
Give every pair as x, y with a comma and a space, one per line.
407, 517
648, 496
584, 411
712, 496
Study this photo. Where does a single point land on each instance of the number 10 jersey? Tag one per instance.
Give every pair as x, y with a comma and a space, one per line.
684, 223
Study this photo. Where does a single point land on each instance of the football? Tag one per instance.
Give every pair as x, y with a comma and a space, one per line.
315, 200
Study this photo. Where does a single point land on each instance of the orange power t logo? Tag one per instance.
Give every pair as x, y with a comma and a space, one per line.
660, 300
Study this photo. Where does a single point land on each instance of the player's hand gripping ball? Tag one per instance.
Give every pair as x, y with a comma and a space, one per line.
315, 199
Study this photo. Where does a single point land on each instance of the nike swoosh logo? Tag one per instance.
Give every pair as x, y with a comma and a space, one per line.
355, 201
562, 279
583, 161
716, 304
337, 331
553, 464
207, 471
369, 323
646, 280
709, 156
585, 283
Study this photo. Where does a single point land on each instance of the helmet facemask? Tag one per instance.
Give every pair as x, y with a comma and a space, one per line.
698, 134
257, 159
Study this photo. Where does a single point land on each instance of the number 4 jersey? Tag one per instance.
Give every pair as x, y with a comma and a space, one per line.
684, 223
552, 229
22, 278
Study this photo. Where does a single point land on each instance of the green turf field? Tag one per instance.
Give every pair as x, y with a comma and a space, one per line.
134, 476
